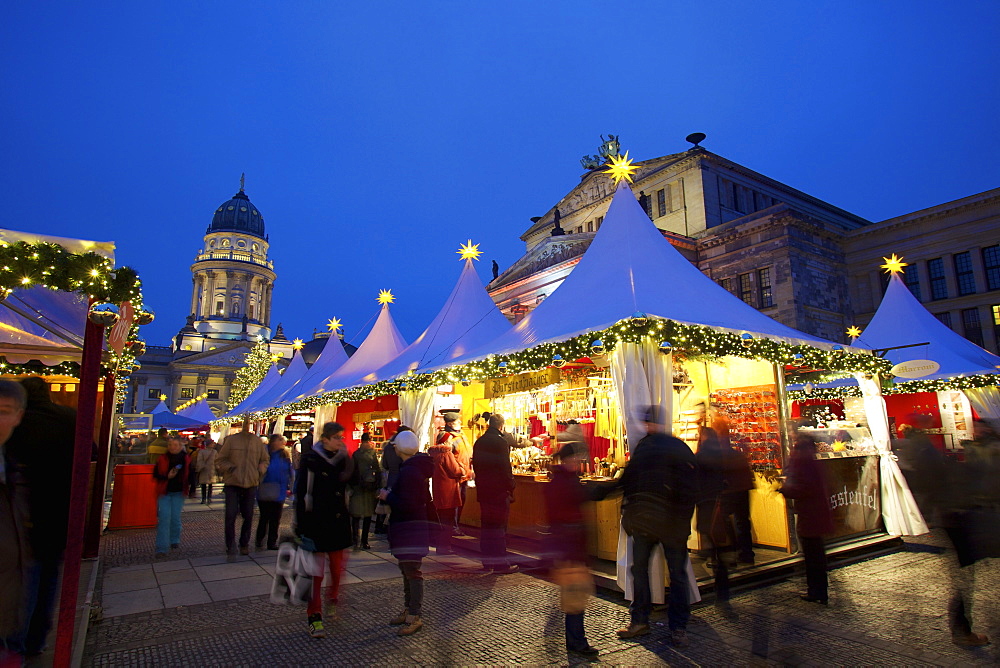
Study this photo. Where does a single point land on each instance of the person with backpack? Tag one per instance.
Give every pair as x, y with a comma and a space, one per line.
367, 475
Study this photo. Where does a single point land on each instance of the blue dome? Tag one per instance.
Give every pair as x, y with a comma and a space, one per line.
238, 215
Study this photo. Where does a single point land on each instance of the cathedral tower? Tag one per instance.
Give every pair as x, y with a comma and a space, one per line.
233, 279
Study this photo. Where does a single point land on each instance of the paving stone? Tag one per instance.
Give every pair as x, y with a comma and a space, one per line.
224, 590
129, 569
131, 602
372, 572
175, 565
184, 593
173, 577
228, 571
215, 559
129, 581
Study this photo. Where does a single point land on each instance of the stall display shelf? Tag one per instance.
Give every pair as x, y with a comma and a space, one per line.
752, 413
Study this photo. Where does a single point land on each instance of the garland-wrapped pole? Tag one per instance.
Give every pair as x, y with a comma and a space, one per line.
95, 516
90, 371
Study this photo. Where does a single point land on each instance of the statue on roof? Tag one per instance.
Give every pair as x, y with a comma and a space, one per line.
609, 148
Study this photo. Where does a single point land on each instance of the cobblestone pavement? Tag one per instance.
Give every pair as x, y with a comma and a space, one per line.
889, 610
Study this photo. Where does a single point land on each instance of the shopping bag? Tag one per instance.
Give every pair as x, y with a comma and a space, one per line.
576, 586
294, 571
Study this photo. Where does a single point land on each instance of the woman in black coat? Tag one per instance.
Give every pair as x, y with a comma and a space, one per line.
321, 517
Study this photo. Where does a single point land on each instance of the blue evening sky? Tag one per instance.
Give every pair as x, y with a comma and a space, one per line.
377, 137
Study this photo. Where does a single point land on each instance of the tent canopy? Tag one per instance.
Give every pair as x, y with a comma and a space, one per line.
902, 320
296, 369
167, 420
331, 358
630, 268
263, 387
199, 410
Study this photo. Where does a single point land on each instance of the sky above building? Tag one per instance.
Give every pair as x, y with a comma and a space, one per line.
378, 137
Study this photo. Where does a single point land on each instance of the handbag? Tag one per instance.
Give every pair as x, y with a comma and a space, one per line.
642, 514
576, 586
719, 530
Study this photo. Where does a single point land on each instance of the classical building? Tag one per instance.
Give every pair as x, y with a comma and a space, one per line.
802, 261
232, 283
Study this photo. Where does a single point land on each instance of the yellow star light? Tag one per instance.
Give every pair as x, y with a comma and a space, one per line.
620, 167
894, 265
275, 358
163, 397
854, 331
333, 324
297, 344
385, 297
469, 252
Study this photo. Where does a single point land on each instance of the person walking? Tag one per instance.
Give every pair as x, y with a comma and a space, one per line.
322, 521
364, 490
157, 446
805, 483
564, 498
242, 461
495, 492
409, 534
171, 473
204, 468
14, 521
452, 435
660, 488
390, 471
709, 520
446, 487
272, 491
194, 447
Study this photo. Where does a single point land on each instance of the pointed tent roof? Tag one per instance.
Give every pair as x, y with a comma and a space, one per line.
901, 320
199, 410
168, 420
468, 320
272, 376
381, 345
630, 268
161, 408
296, 369
331, 358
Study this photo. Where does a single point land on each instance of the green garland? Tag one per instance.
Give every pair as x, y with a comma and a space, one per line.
94, 276
689, 341
894, 386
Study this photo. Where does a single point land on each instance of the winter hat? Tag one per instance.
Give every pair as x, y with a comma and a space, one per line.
450, 416
406, 443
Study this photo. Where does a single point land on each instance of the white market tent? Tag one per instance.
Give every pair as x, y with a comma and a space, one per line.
199, 410
902, 320
263, 387
332, 357
292, 374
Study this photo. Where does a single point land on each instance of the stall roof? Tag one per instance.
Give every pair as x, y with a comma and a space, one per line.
199, 410
630, 268
331, 358
468, 320
168, 420
263, 387
296, 369
902, 320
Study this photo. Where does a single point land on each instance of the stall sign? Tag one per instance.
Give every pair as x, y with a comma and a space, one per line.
522, 382
855, 498
371, 416
135, 421
915, 368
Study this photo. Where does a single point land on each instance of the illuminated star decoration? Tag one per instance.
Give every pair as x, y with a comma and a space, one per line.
469, 252
620, 167
385, 297
275, 358
333, 324
854, 331
297, 344
163, 397
894, 265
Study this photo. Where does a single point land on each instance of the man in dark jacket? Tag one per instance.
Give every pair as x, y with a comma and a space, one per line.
43, 443
495, 492
661, 483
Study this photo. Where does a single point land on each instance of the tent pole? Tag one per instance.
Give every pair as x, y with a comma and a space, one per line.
92, 534
90, 371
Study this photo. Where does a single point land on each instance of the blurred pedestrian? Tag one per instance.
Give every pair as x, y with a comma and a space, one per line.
242, 461
194, 447
452, 435
495, 492
409, 534
43, 445
171, 472
14, 520
204, 468
446, 488
364, 490
660, 487
272, 491
710, 520
322, 520
805, 483
564, 499
390, 471
157, 446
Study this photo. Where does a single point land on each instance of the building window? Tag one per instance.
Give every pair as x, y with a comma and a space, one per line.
153, 393
765, 297
911, 277
661, 202
579, 229
647, 204
945, 318
727, 284
935, 272
963, 272
972, 330
746, 289
187, 393
991, 261
212, 394
219, 308
590, 226
600, 219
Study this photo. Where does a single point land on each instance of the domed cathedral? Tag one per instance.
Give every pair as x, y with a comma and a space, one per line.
232, 279
232, 284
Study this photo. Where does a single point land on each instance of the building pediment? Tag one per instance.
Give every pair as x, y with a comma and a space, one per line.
552, 251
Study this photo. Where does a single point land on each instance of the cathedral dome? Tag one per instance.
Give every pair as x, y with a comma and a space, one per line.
238, 215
